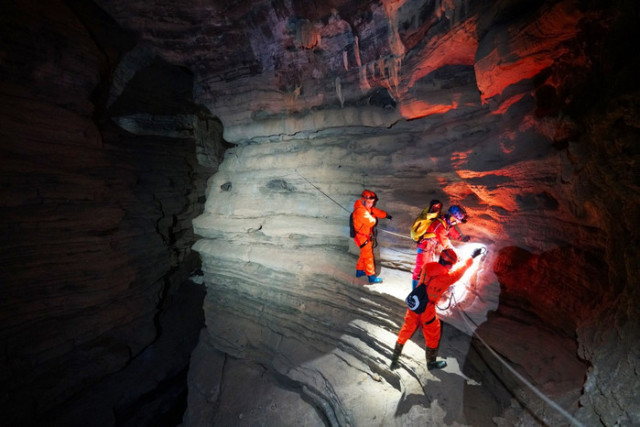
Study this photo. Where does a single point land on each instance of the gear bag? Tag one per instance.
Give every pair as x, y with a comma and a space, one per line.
417, 300
421, 225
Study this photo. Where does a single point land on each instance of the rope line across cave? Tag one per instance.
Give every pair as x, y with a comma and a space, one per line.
533, 388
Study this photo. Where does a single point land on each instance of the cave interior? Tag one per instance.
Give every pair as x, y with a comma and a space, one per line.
176, 183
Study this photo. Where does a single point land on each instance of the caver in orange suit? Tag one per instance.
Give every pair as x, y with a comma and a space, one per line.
437, 277
365, 218
437, 237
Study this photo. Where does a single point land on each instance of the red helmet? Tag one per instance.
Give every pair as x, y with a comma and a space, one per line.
448, 256
369, 195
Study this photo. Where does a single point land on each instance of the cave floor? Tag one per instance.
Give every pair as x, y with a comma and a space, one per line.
395, 283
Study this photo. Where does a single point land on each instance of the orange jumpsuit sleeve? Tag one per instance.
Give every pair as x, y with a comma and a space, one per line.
442, 282
457, 274
453, 233
378, 213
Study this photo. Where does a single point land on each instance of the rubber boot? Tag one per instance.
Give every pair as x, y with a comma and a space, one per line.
432, 362
396, 355
374, 279
414, 283
360, 273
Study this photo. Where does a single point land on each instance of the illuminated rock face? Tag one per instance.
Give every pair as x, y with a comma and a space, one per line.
523, 114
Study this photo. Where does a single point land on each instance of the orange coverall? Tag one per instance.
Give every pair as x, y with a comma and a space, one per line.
428, 249
364, 219
437, 278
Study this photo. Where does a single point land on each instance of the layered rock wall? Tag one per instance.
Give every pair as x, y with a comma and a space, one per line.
494, 134
112, 120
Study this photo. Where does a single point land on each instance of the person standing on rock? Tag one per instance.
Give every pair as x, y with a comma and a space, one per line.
437, 236
437, 277
364, 218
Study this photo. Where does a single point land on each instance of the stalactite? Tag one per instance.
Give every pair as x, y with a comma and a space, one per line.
309, 35
356, 51
338, 84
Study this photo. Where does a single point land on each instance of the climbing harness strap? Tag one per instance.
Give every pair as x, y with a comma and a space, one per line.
430, 321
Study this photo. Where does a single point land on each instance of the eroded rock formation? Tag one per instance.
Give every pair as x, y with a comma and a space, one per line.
96, 221
523, 112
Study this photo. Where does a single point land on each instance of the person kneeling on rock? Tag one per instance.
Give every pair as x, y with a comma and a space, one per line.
437, 277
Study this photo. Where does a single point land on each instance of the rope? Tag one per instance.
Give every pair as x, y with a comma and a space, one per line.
469, 325
466, 319
541, 395
401, 252
404, 236
449, 304
325, 194
345, 209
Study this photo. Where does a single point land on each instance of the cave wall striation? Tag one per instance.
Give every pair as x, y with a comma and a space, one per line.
140, 137
480, 105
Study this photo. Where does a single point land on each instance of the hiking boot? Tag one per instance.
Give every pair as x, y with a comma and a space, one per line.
432, 362
360, 273
438, 364
396, 356
374, 279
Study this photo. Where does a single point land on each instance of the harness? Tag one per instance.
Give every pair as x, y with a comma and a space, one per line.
430, 321
438, 224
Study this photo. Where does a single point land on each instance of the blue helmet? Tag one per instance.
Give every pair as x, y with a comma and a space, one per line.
458, 213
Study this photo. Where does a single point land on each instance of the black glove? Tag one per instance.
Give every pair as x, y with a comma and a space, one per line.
478, 251
389, 217
465, 238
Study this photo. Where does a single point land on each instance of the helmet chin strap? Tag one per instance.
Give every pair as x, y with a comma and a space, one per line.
446, 264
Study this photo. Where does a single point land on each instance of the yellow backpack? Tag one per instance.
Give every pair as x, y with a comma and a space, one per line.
421, 224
